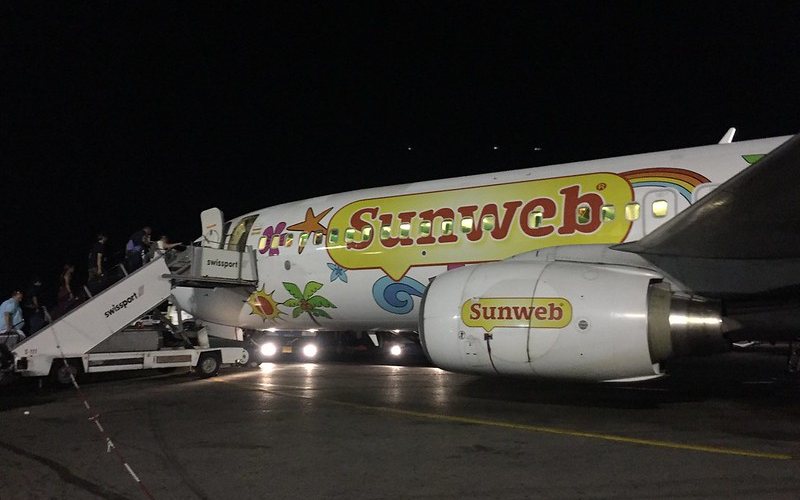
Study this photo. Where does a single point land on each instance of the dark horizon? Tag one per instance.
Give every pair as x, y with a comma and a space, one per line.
125, 115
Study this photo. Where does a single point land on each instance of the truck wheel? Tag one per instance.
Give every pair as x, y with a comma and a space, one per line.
62, 373
207, 365
245, 361
254, 357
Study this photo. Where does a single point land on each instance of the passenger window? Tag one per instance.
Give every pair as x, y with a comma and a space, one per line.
488, 222
584, 214
608, 212
276, 241
425, 228
386, 232
333, 236
466, 224
289, 240
447, 227
319, 238
349, 235
535, 218
660, 208
262, 244
632, 211
405, 229
366, 235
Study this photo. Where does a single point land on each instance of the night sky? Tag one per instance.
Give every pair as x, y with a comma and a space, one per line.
116, 115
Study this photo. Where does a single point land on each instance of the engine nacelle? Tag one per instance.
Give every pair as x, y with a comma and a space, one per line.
568, 320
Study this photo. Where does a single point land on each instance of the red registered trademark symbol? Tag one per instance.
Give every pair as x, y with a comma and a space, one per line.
601, 186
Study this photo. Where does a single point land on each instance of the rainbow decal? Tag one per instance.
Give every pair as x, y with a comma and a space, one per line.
683, 181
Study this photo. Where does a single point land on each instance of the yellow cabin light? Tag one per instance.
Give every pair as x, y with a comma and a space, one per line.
535, 218
608, 212
447, 227
584, 214
632, 211
488, 222
660, 208
425, 228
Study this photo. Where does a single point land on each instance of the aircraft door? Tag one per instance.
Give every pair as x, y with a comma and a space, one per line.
658, 207
213, 225
237, 240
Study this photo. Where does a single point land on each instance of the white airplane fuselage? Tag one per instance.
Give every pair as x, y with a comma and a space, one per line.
361, 260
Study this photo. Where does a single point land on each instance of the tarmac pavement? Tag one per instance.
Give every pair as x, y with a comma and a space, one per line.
727, 426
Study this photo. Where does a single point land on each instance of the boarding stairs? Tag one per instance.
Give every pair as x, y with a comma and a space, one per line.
116, 307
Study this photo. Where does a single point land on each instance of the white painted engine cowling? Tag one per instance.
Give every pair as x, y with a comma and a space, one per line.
567, 320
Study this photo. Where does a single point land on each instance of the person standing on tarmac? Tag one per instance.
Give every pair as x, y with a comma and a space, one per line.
11, 324
12, 315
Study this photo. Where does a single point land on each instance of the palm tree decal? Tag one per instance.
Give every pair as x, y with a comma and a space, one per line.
307, 302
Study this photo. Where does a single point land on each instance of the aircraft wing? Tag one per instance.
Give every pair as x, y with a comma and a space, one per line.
743, 238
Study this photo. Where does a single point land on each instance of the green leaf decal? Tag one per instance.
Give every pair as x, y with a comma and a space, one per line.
311, 288
321, 312
319, 301
292, 303
293, 290
297, 312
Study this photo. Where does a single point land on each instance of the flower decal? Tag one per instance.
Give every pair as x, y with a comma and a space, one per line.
264, 245
337, 272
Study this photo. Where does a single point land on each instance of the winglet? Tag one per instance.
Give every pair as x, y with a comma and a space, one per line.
728, 137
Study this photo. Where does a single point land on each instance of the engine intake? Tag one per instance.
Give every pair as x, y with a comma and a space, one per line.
571, 320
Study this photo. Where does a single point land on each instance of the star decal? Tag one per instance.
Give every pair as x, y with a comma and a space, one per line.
311, 223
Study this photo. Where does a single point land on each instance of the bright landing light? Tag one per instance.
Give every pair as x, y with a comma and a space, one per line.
309, 350
396, 350
269, 349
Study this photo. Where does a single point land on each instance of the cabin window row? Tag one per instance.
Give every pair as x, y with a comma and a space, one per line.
632, 212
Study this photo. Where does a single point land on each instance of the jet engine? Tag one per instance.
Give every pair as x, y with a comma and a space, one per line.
567, 320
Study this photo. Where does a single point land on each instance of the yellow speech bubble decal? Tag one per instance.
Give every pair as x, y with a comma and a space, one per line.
517, 312
477, 224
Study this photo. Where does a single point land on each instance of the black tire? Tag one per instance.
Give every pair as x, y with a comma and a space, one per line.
207, 365
60, 373
255, 358
251, 359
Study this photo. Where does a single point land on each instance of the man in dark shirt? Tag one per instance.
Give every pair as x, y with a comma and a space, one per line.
98, 257
32, 311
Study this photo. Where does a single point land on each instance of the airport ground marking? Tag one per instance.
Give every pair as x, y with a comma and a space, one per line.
654, 443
